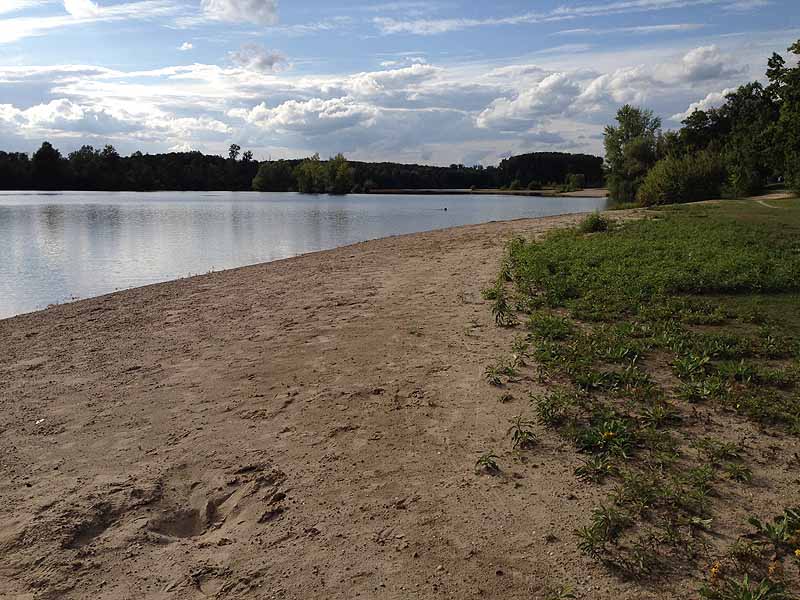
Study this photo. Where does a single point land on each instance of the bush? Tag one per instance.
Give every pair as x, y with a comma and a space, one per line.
594, 223
683, 179
534, 185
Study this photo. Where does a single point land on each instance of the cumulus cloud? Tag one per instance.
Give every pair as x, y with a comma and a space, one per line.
549, 97
712, 100
707, 62
378, 82
626, 85
255, 57
185, 46
260, 12
311, 117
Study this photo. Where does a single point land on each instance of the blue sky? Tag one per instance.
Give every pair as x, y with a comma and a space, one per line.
407, 80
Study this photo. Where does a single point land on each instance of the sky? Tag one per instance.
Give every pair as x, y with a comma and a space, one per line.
435, 82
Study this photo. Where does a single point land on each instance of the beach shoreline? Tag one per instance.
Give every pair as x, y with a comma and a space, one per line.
304, 428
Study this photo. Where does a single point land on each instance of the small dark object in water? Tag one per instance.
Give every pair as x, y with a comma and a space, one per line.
445, 209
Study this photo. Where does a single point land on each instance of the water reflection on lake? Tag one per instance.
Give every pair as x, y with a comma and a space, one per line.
59, 246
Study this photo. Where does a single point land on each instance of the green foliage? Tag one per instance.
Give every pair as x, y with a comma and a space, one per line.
687, 178
502, 310
594, 223
783, 533
488, 462
649, 295
731, 589
522, 435
631, 150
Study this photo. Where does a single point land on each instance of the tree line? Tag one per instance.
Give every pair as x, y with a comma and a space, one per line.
735, 150
104, 169
525, 171
90, 168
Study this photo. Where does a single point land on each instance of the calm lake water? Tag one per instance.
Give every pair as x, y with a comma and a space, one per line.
56, 247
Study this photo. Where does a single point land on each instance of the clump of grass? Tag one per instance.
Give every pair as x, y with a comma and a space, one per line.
594, 223
738, 472
607, 433
552, 410
550, 327
596, 468
503, 368
733, 589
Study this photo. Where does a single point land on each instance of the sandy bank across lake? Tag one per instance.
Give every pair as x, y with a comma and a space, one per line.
306, 428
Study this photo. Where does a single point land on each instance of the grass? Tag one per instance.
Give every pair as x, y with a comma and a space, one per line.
636, 326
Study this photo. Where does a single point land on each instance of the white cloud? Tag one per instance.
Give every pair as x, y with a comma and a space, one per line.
185, 46
638, 29
260, 12
388, 25
311, 117
705, 63
255, 57
625, 85
712, 100
549, 97
11, 6
81, 9
86, 12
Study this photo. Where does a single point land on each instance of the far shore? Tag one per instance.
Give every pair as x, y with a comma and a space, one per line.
546, 193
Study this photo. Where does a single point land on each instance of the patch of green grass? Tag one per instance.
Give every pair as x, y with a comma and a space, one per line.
633, 325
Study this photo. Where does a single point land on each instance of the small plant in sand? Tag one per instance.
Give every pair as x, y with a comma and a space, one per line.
487, 463
733, 589
522, 436
596, 468
564, 592
502, 311
783, 533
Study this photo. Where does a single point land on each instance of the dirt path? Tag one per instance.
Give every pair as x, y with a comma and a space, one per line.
300, 429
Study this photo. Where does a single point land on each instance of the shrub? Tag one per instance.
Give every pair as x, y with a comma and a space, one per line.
594, 223
683, 179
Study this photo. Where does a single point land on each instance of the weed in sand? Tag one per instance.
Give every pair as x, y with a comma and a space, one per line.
487, 462
522, 435
731, 589
596, 468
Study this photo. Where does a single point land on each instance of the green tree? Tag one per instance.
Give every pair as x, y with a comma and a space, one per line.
274, 176
631, 150
340, 175
48, 170
785, 86
311, 176
233, 151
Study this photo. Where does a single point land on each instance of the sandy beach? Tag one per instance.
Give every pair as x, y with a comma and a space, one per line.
306, 428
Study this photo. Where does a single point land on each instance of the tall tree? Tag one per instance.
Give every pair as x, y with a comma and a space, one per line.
47, 168
631, 150
785, 85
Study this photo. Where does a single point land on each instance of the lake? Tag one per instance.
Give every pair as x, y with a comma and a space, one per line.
61, 246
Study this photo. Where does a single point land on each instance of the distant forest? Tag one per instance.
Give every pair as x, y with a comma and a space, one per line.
105, 169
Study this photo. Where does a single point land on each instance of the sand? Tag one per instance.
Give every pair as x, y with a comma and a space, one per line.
306, 428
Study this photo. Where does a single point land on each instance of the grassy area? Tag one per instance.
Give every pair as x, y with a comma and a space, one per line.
637, 329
